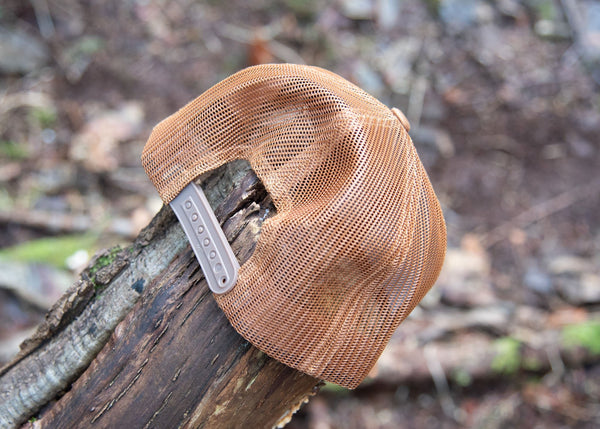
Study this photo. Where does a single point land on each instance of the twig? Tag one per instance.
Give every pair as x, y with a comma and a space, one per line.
30, 99
416, 100
66, 223
43, 17
541, 211
10, 102
53, 222
556, 363
583, 41
441, 383
279, 50
574, 18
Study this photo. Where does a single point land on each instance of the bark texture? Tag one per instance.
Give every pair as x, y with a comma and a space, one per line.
140, 342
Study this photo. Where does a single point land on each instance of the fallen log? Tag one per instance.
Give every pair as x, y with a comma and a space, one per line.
140, 342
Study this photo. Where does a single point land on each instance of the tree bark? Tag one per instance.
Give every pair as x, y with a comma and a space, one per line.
140, 342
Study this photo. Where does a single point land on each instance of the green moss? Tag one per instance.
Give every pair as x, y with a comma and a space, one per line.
508, 356
543, 9
461, 377
13, 150
45, 117
532, 364
101, 262
51, 250
88, 45
586, 335
104, 261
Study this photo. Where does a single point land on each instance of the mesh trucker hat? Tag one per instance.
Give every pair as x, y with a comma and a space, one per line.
358, 238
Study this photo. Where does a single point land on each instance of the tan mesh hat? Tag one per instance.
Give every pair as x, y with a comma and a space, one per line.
358, 238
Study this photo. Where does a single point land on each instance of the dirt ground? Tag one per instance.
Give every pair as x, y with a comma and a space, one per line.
504, 102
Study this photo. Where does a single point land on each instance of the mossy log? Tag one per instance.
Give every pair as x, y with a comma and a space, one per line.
140, 342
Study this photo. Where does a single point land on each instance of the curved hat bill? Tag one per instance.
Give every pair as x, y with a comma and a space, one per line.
359, 236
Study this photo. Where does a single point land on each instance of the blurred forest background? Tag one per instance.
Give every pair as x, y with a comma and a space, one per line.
504, 102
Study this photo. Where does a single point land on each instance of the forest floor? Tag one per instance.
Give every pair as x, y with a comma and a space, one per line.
504, 102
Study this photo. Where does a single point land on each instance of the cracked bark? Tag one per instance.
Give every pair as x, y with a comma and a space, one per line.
140, 342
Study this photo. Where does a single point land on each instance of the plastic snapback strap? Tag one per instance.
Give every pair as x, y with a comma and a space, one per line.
207, 239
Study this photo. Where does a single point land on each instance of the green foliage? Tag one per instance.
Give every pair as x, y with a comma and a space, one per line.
508, 356
586, 335
87, 45
532, 363
461, 377
13, 150
51, 250
543, 9
45, 117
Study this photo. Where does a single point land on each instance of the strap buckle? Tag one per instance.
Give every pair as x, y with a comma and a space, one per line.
218, 263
